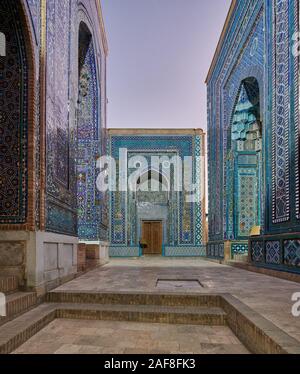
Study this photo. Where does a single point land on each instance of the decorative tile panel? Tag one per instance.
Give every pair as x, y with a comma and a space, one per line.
257, 251
273, 252
239, 248
242, 57
60, 188
184, 223
292, 253
247, 201
13, 117
88, 197
199, 251
281, 109
124, 251
296, 62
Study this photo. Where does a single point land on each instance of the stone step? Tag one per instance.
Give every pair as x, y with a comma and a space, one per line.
144, 313
8, 284
259, 335
18, 331
159, 299
24, 321
18, 303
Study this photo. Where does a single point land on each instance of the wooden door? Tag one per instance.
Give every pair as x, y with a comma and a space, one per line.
152, 235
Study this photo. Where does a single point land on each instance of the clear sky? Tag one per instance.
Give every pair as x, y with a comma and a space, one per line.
159, 55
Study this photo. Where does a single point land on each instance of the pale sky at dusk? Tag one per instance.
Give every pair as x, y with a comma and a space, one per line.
159, 55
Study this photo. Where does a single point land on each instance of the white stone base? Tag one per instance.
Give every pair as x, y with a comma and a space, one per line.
104, 253
49, 259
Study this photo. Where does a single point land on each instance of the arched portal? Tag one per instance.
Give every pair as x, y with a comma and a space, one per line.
88, 136
14, 103
149, 212
244, 160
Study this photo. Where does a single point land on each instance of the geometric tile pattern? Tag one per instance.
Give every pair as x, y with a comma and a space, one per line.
198, 204
239, 59
239, 248
245, 145
215, 250
292, 253
258, 42
281, 113
116, 251
199, 251
296, 110
246, 207
221, 250
273, 252
61, 204
66, 119
185, 219
89, 211
257, 251
13, 118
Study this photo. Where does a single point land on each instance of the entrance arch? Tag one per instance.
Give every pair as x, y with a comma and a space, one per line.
149, 210
17, 118
244, 162
88, 138
152, 208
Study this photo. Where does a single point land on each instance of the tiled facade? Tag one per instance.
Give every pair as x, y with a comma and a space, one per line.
183, 221
256, 46
13, 119
44, 115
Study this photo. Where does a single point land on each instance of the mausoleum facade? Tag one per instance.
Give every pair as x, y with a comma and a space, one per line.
169, 219
253, 136
52, 129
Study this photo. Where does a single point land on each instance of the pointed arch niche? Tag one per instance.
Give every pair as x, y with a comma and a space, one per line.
88, 138
243, 163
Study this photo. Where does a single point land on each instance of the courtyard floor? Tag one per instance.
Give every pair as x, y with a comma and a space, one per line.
104, 337
271, 297
268, 296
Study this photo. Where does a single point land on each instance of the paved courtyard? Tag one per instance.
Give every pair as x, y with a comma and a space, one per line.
102, 337
271, 297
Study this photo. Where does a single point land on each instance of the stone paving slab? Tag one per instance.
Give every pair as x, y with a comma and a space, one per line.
268, 296
105, 337
257, 334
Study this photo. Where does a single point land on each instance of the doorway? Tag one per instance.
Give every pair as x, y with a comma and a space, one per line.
152, 237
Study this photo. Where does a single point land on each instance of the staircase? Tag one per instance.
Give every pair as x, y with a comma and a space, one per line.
8, 284
154, 308
255, 332
17, 302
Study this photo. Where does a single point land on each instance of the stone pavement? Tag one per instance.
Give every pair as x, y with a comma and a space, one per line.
271, 297
64, 336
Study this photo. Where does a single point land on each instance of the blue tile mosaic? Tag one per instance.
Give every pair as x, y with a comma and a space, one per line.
184, 224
